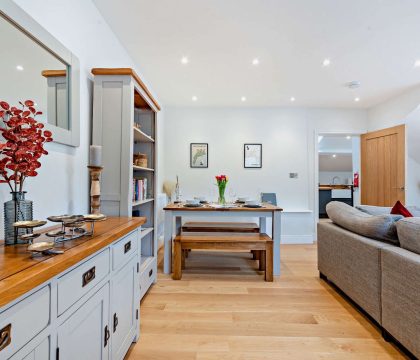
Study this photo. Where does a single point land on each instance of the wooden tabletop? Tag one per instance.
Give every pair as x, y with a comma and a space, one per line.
180, 207
20, 272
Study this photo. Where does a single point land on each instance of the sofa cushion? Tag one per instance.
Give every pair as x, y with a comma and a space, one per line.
380, 227
400, 209
409, 234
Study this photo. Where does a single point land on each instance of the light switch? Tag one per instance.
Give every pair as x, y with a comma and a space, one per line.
293, 175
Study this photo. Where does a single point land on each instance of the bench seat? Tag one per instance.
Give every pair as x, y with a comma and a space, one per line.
235, 227
261, 243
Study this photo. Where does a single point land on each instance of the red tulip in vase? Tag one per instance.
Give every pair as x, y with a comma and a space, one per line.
23, 146
222, 181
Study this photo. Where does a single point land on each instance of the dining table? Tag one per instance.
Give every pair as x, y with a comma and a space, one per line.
175, 212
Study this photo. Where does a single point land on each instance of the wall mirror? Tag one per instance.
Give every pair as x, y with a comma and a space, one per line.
36, 66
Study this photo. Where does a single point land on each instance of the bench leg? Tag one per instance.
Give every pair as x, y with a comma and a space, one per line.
184, 255
262, 260
254, 254
269, 261
177, 275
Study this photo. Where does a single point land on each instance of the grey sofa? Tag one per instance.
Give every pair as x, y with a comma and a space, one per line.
379, 276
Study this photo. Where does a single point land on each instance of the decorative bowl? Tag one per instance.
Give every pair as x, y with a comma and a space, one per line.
29, 224
41, 246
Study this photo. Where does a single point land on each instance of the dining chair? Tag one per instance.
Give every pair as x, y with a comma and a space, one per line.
270, 198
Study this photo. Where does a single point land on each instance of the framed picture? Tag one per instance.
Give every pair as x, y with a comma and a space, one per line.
253, 156
199, 155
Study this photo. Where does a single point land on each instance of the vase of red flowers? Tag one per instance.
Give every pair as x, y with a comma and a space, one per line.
23, 146
222, 181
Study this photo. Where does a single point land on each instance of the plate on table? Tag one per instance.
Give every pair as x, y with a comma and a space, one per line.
193, 205
253, 206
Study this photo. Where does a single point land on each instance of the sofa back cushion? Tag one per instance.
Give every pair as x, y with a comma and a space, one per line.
409, 234
380, 210
379, 227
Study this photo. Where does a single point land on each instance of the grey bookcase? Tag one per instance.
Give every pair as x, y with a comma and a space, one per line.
120, 101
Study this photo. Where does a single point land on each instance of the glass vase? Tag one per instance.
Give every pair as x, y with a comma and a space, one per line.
17, 209
222, 200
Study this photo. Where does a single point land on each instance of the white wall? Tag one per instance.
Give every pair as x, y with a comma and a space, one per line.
326, 177
288, 136
403, 109
62, 184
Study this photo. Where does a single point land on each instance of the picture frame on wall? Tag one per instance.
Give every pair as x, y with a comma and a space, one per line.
252, 156
199, 155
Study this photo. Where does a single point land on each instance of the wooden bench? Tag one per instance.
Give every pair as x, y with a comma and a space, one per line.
261, 243
235, 227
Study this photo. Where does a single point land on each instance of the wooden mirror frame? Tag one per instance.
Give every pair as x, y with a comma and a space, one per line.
25, 23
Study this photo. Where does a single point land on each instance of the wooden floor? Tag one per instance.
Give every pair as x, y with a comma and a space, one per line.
223, 309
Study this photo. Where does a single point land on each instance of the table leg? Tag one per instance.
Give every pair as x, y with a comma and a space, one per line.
167, 243
276, 240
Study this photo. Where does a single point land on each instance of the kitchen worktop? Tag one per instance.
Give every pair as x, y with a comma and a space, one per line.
335, 187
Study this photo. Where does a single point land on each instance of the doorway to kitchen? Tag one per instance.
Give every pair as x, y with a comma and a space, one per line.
338, 170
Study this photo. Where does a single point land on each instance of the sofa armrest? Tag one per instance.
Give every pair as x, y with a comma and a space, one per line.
401, 296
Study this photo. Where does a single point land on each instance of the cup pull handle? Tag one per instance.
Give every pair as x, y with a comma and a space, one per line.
88, 276
127, 247
5, 336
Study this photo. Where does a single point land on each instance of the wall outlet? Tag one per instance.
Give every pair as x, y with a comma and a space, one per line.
293, 175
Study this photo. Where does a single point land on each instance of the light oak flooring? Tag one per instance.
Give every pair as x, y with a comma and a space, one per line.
223, 309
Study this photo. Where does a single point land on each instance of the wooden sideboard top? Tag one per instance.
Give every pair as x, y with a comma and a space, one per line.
20, 272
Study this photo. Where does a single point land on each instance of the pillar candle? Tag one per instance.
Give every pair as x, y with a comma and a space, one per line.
95, 155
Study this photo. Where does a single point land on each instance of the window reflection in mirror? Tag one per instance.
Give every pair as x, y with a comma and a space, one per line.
29, 71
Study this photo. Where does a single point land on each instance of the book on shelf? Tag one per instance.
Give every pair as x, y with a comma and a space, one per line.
139, 189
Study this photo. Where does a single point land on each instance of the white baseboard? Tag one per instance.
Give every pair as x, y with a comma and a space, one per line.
297, 239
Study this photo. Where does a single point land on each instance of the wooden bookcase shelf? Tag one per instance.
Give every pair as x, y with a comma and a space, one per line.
123, 133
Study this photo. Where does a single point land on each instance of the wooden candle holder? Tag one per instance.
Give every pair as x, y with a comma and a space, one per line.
95, 189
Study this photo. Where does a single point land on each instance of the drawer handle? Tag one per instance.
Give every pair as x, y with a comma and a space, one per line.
88, 276
127, 247
150, 272
5, 336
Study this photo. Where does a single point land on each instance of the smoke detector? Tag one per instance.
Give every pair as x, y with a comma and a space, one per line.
352, 85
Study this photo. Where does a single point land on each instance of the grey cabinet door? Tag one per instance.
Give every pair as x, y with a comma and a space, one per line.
123, 309
85, 335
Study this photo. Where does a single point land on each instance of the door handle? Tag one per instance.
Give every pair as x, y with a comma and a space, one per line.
402, 188
115, 322
107, 335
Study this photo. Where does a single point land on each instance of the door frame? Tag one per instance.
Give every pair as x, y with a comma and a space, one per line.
315, 180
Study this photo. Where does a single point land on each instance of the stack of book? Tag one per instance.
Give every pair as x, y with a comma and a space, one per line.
139, 189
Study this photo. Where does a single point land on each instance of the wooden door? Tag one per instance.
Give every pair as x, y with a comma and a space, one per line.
85, 334
383, 167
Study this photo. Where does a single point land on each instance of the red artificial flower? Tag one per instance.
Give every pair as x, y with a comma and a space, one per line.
24, 146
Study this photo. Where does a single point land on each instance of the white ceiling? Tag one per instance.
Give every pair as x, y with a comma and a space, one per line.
375, 42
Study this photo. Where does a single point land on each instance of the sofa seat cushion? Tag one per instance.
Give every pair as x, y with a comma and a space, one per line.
409, 234
380, 227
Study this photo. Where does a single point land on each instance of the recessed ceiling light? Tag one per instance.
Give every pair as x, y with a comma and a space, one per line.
356, 99
185, 60
292, 99
417, 63
35, 104
256, 62
194, 98
243, 98
348, 137
326, 62
334, 156
19, 67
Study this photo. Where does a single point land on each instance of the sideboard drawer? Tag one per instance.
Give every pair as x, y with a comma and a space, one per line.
147, 276
22, 322
76, 283
123, 249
